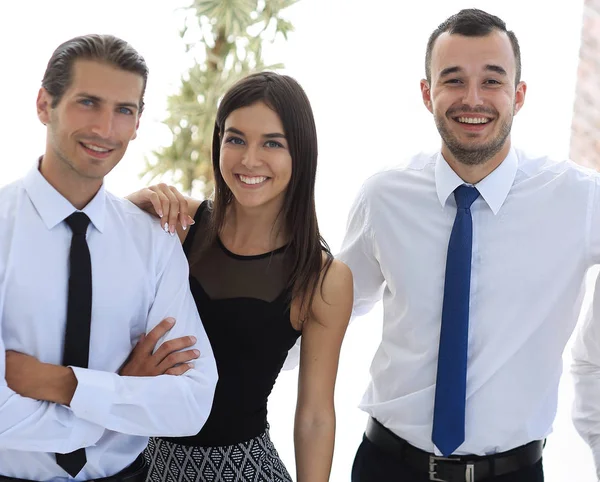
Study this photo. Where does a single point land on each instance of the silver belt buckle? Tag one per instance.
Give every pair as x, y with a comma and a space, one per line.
433, 461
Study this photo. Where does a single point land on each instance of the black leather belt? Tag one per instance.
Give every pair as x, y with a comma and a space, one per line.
136, 472
464, 468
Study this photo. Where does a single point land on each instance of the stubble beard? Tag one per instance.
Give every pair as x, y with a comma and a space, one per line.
476, 154
69, 167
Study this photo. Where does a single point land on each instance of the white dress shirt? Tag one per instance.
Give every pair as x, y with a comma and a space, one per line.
139, 277
536, 231
586, 373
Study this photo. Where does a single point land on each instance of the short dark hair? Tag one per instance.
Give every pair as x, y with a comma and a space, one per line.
288, 100
472, 22
103, 48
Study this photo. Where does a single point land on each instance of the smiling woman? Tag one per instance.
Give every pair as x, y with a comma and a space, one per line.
261, 275
255, 160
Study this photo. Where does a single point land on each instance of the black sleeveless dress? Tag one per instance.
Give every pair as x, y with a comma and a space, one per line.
245, 308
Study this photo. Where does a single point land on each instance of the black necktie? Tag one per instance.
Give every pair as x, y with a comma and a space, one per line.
79, 316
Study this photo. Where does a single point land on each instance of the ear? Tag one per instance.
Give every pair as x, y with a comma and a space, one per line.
426, 94
520, 96
44, 106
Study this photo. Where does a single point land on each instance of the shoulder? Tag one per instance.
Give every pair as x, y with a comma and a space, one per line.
11, 197
337, 278
194, 206
533, 165
198, 211
10, 192
11, 188
144, 228
419, 167
130, 213
334, 292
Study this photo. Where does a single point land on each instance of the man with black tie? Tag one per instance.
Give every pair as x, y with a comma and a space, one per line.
83, 276
479, 253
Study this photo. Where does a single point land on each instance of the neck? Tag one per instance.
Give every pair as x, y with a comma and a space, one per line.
79, 191
473, 173
252, 230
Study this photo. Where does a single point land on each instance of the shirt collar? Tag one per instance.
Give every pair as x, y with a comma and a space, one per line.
53, 207
493, 188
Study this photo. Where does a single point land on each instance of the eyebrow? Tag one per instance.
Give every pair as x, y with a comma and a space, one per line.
450, 70
272, 135
489, 67
95, 98
496, 68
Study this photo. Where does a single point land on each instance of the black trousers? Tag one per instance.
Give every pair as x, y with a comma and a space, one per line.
371, 464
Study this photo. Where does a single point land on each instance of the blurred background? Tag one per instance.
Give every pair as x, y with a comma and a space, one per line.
360, 64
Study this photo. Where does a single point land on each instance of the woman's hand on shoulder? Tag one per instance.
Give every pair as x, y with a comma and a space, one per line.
168, 204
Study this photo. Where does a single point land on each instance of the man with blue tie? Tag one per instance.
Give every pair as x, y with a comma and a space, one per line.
479, 253
84, 275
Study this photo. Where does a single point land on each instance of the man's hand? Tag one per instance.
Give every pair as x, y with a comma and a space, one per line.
31, 378
167, 360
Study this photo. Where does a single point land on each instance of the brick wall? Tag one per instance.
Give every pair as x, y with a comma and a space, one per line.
585, 129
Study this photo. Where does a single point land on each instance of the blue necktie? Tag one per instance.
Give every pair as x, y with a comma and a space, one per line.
451, 385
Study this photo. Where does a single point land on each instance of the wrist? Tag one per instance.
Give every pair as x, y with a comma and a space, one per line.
59, 384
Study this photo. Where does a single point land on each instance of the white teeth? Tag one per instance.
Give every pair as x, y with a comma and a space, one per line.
473, 120
95, 148
252, 180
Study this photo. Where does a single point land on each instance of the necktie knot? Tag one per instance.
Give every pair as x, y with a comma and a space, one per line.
78, 222
465, 196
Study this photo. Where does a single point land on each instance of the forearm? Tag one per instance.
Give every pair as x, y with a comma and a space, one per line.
38, 426
314, 438
164, 405
57, 385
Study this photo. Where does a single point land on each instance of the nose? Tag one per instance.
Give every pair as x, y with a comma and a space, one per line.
251, 158
472, 95
103, 124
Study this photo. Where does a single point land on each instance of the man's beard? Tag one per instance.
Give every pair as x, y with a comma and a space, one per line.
477, 154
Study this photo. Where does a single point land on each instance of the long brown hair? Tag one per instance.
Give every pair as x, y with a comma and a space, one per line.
305, 246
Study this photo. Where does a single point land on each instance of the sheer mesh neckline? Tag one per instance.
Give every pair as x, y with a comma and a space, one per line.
223, 274
233, 255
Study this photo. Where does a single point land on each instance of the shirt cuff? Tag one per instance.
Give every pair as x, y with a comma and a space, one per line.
84, 433
94, 395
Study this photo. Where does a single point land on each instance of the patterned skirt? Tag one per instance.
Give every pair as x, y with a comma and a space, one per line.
253, 461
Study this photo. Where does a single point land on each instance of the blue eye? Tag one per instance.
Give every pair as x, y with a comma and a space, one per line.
273, 144
125, 110
87, 102
234, 140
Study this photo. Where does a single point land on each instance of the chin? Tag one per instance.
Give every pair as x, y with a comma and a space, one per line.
261, 203
251, 204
